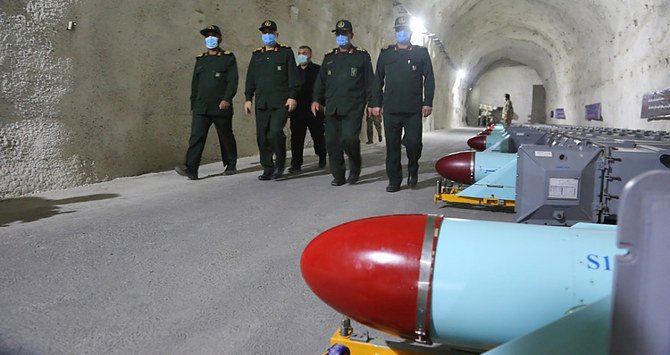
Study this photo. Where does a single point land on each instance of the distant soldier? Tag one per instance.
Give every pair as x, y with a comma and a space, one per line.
405, 74
508, 111
344, 86
273, 78
302, 118
213, 87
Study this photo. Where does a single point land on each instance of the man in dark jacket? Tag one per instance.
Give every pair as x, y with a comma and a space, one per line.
213, 87
302, 118
344, 86
273, 79
405, 86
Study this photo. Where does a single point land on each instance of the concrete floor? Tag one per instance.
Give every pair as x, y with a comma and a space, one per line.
157, 264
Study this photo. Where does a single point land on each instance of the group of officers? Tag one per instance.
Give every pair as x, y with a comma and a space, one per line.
330, 100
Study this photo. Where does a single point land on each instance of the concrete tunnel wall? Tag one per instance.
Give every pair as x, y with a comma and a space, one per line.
585, 51
110, 98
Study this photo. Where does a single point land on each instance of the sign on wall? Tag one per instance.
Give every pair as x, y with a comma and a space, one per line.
592, 112
560, 113
656, 105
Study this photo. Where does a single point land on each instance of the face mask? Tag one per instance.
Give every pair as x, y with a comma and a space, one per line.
403, 37
269, 39
342, 41
211, 42
303, 59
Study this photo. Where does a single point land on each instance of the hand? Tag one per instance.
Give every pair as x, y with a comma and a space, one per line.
316, 107
375, 111
291, 104
224, 105
426, 111
247, 108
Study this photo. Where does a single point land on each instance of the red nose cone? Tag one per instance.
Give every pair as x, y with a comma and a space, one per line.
457, 167
485, 132
477, 143
368, 270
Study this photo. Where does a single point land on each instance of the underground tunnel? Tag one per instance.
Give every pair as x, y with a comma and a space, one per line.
104, 249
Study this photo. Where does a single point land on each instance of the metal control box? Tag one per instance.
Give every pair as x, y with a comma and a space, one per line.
558, 185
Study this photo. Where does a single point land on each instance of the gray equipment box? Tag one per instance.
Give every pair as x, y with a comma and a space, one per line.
622, 165
527, 136
558, 185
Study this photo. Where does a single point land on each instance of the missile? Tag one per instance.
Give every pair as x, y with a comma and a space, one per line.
487, 138
470, 167
469, 283
478, 143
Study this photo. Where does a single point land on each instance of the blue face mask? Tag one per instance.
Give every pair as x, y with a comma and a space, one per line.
403, 37
303, 59
342, 41
211, 42
269, 39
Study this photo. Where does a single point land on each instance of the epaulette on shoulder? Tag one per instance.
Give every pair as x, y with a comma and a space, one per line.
201, 55
284, 45
332, 52
227, 53
390, 46
359, 49
259, 49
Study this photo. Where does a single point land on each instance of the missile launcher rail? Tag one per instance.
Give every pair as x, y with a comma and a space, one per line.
448, 192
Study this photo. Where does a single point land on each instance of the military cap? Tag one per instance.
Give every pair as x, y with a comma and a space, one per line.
402, 21
210, 29
268, 25
343, 25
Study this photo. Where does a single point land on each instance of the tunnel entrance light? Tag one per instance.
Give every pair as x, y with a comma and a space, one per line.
418, 25
461, 74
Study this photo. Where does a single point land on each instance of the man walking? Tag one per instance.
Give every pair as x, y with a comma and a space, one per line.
213, 87
344, 86
405, 86
272, 77
302, 118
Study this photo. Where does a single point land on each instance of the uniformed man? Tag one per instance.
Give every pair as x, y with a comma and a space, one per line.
213, 87
344, 86
302, 118
508, 111
272, 77
405, 87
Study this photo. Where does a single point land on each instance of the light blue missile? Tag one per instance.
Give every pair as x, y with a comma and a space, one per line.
475, 284
489, 174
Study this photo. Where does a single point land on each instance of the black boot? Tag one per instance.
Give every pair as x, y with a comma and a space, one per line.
183, 171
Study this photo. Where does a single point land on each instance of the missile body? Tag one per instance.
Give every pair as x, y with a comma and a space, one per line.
461, 282
487, 138
470, 167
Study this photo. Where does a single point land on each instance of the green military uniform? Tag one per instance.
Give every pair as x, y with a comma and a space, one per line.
406, 77
215, 78
344, 86
272, 78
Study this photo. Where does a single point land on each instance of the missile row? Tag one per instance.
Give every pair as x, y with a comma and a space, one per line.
552, 175
547, 285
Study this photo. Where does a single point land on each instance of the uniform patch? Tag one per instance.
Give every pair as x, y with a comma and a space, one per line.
330, 72
279, 68
354, 72
413, 67
218, 74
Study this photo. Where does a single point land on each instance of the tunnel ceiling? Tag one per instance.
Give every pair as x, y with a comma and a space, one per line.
544, 35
